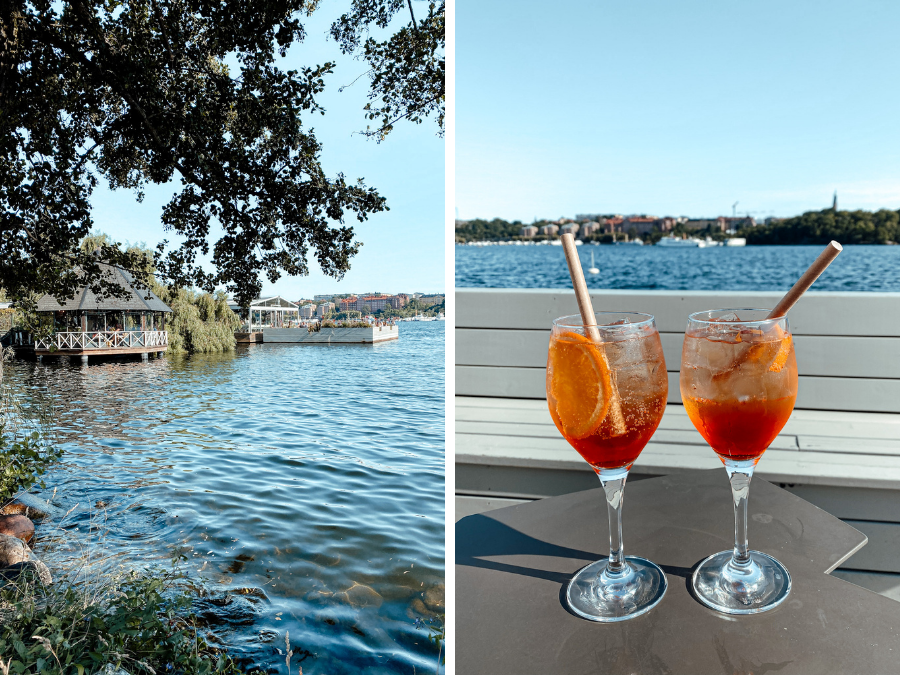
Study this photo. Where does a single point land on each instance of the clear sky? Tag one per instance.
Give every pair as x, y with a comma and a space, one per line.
403, 249
675, 108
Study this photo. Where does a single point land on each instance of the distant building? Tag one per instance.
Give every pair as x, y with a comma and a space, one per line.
589, 228
549, 230
400, 300
377, 303
642, 224
349, 304
324, 308
528, 231
436, 299
569, 228
323, 298
613, 224
307, 311
667, 223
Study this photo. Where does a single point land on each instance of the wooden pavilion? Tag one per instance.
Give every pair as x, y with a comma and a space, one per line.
90, 326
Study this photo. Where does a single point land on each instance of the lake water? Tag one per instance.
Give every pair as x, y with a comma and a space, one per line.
751, 268
305, 484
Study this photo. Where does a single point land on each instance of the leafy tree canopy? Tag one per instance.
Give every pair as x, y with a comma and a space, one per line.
140, 91
820, 227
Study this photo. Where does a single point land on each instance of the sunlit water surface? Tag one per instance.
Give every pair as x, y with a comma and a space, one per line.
305, 484
748, 268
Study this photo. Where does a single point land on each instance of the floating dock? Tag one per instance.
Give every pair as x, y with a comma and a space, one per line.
369, 335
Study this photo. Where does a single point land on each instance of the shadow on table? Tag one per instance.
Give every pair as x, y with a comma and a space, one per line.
480, 536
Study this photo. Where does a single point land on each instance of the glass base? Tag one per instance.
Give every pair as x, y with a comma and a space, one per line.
596, 595
760, 585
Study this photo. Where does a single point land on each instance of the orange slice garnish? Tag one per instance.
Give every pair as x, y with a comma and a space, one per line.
773, 352
578, 380
784, 351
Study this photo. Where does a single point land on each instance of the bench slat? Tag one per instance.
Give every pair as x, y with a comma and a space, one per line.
814, 314
817, 393
816, 355
815, 423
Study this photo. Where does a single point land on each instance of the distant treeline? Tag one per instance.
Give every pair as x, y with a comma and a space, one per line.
820, 227
489, 230
813, 227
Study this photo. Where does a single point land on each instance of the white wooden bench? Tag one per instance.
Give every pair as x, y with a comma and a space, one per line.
840, 450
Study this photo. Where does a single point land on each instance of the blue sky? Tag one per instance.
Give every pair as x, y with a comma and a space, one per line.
403, 249
678, 108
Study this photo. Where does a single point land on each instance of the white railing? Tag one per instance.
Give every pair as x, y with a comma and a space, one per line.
118, 339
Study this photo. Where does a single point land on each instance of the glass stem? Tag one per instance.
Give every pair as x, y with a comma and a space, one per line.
739, 475
613, 482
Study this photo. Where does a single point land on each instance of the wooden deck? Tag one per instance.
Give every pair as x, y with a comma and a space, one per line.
248, 338
112, 351
840, 449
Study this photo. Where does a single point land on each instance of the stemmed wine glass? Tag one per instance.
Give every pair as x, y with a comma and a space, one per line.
606, 389
739, 384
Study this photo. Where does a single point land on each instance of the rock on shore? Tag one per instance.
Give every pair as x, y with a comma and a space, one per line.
13, 551
16, 558
17, 526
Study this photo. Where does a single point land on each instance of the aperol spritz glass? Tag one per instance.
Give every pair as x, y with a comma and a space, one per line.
606, 389
738, 385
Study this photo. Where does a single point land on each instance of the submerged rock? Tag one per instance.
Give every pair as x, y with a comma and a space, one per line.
227, 611
17, 526
33, 568
360, 595
434, 598
418, 610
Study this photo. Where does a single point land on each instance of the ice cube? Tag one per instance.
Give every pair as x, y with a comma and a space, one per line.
722, 331
620, 322
728, 316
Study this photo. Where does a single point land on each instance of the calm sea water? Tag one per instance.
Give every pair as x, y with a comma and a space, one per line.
304, 483
751, 268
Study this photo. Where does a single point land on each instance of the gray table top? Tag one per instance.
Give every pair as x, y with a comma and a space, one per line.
513, 565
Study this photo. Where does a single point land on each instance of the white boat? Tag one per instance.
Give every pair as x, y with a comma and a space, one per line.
683, 243
633, 242
736, 241
592, 269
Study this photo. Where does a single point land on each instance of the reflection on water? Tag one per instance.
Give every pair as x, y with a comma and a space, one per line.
304, 482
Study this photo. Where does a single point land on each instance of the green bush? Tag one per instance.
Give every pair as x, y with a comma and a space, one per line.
25, 448
138, 622
200, 323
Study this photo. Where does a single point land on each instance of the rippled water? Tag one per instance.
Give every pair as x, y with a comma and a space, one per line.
304, 482
750, 268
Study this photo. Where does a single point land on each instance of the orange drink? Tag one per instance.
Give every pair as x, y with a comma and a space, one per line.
581, 377
606, 390
738, 386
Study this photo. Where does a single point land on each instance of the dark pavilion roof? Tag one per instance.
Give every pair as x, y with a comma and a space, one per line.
138, 299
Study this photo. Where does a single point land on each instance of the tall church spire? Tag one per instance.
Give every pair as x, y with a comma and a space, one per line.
834, 203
